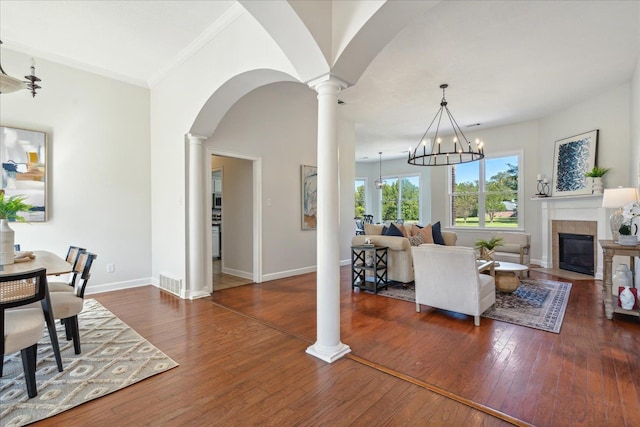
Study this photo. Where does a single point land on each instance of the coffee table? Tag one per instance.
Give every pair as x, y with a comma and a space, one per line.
507, 275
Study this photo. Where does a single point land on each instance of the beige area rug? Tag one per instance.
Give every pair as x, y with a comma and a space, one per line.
113, 357
537, 303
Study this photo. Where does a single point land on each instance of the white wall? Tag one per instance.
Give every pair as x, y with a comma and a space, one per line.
634, 117
98, 159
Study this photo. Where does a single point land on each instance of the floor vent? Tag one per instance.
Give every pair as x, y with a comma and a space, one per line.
171, 284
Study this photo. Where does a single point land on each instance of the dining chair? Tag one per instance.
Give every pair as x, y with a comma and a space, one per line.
67, 305
22, 328
72, 258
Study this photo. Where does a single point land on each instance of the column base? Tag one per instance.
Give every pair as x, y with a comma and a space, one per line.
329, 355
198, 294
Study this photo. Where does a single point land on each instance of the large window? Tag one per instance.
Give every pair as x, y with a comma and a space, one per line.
485, 194
401, 199
361, 200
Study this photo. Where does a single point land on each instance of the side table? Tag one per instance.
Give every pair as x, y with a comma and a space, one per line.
369, 272
609, 249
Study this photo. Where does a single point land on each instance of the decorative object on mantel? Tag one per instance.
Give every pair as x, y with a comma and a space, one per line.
9, 209
573, 158
443, 153
596, 175
543, 187
487, 247
629, 228
617, 198
10, 84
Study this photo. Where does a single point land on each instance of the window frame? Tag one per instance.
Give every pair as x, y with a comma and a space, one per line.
399, 177
366, 193
482, 192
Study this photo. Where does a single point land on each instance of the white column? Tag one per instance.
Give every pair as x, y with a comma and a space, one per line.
196, 214
328, 346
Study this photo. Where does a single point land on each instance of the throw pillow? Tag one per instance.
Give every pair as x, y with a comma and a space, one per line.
393, 230
425, 233
416, 240
437, 234
373, 229
401, 228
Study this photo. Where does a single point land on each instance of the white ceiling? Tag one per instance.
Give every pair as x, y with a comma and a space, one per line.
504, 61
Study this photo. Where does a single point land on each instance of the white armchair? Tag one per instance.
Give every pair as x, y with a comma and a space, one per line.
515, 248
447, 277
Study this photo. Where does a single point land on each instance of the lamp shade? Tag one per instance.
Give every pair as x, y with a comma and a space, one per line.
618, 197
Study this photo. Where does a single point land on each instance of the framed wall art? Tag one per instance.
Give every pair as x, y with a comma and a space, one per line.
573, 157
309, 196
24, 169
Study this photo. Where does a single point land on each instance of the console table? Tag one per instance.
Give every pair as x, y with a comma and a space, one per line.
374, 272
609, 249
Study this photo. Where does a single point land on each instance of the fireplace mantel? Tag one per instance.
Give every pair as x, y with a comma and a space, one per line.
573, 208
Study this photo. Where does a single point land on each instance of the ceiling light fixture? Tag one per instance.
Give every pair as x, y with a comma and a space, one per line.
442, 153
379, 182
10, 84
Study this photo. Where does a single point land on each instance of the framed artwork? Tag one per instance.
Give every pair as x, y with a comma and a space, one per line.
24, 169
309, 196
573, 157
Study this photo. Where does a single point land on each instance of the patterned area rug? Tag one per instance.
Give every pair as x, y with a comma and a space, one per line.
538, 304
113, 357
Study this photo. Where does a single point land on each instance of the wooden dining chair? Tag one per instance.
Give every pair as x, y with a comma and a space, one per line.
67, 305
22, 327
72, 258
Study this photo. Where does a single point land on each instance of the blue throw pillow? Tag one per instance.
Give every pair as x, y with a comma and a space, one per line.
392, 230
437, 234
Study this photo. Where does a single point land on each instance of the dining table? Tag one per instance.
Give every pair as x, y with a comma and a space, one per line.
33, 260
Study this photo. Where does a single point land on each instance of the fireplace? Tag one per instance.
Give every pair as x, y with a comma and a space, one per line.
575, 253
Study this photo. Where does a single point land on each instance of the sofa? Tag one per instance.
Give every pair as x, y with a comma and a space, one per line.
399, 258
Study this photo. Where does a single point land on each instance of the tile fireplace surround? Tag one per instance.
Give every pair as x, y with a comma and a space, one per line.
573, 214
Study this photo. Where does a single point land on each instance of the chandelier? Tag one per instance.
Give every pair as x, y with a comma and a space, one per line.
435, 151
10, 84
379, 182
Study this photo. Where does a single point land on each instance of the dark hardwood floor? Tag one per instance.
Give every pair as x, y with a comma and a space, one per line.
243, 362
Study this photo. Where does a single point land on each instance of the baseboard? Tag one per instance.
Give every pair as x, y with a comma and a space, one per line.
116, 286
238, 273
288, 273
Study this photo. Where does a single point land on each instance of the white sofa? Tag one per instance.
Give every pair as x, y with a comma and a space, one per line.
399, 258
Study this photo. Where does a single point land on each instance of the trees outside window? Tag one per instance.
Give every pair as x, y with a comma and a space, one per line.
361, 202
401, 199
485, 194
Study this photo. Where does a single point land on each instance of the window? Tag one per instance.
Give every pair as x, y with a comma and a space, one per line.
361, 202
485, 194
401, 199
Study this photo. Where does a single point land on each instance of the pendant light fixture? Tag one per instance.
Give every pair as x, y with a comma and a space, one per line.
379, 182
10, 84
436, 151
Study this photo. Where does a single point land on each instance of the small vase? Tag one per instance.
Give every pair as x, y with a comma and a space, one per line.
7, 240
627, 300
596, 185
626, 240
622, 278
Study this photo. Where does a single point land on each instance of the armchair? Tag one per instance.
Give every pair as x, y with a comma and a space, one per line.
515, 248
447, 277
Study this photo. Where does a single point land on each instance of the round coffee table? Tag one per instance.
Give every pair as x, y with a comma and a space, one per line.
507, 275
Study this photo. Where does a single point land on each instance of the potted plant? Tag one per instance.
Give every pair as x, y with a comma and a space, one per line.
596, 175
487, 247
9, 208
629, 213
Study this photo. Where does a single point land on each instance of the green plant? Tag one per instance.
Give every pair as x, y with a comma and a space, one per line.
490, 244
10, 207
625, 230
597, 172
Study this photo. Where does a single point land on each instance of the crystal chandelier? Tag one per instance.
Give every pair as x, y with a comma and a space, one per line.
9, 84
435, 151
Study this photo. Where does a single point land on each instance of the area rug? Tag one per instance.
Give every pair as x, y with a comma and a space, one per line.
537, 303
113, 356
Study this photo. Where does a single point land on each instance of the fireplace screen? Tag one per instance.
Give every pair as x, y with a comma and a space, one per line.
576, 253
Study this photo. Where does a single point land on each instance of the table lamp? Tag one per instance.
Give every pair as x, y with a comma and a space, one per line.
617, 198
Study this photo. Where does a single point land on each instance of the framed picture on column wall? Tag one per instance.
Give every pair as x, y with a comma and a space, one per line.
24, 169
309, 183
573, 158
